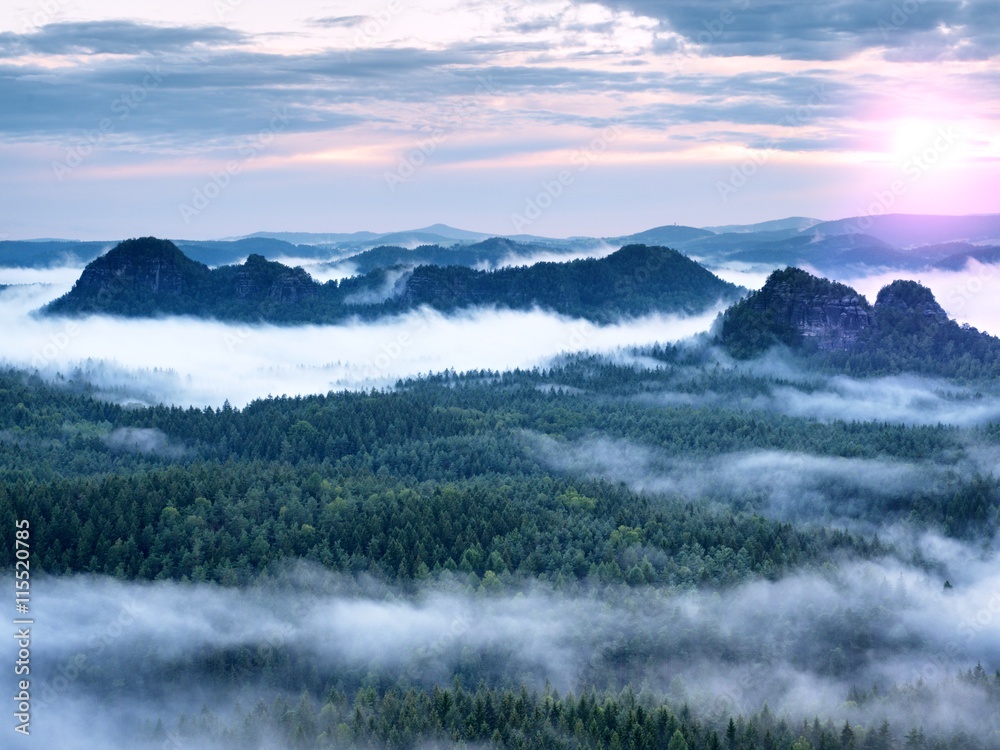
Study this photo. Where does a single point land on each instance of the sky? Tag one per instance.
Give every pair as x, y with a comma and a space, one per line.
217, 118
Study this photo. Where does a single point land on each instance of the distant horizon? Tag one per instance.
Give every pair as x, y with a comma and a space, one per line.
571, 117
425, 227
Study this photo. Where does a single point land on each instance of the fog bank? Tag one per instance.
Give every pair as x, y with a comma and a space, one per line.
198, 362
799, 643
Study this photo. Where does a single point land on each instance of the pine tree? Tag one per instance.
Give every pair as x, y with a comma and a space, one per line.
677, 742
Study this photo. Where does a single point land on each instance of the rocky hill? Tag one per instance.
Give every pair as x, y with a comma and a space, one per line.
149, 277
905, 330
797, 309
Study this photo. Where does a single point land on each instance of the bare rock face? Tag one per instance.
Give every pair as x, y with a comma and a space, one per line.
260, 278
831, 316
246, 285
433, 283
292, 286
833, 323
796, 309
145, 264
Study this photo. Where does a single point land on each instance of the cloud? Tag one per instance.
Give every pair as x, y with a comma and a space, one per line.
393, 284
902, 399
799, 643
334, 21
965, 295
199, 362
142, 440
118, 37
326, 89
786, 484
783, 385
921, 30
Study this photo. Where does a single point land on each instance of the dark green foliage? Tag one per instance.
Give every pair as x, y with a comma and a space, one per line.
442, 480
396, 717
146, 277
438, 474
772, 315
490, 252
905, 331
228, 524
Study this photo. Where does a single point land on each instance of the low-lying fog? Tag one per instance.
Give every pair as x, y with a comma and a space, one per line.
968, 295
188, 361
799, 643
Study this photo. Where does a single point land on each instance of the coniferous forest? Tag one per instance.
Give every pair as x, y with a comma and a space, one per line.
472, 375
668, 547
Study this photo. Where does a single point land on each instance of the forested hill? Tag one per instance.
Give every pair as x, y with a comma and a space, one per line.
149, 277
906, 330
491, 252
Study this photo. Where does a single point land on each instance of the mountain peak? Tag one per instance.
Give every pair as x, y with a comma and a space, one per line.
153, 277
449, 233
905, 331
798, 310
134, 272
909, 297
143, 249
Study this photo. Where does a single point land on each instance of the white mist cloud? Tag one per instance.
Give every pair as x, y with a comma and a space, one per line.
63, 276
798, 643
749, 275
968, 296
391, 286
555, 256
797, 392
794, 485
199, 362
901, 399
142, 440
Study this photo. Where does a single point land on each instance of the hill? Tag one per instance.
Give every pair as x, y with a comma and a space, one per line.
669, 234
906, 330
793, 223
916, 230
489, 252
47, 253
960, 253
148, 277
217, 252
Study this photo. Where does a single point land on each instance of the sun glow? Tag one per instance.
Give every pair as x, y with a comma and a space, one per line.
913, 135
